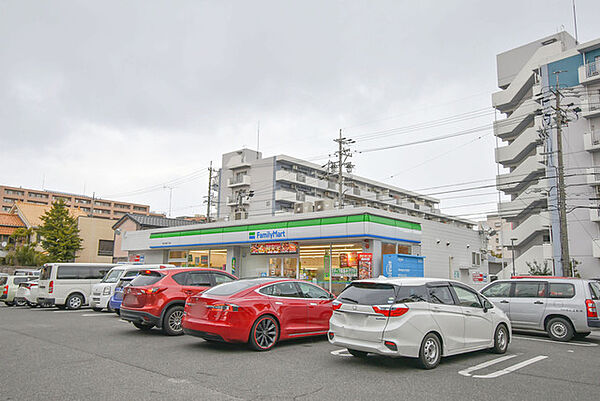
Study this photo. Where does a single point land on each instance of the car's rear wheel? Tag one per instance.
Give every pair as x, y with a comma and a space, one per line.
559, 329
9, 303
430, 352
75, 301
143, 327
172, 321
358, 354
500, 340
264, 333
20, 302
97, 309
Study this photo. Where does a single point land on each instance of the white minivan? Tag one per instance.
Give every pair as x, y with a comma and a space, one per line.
102, 291
69, 285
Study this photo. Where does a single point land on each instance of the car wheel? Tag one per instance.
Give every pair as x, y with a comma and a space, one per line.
97, 309
264, 333
559, 329
430, 352
20, 303
108, 308
582, 335
143, 327
172, 321
358, 354
500, 340
75, 301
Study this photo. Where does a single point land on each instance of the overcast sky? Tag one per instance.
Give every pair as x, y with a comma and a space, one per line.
115, 96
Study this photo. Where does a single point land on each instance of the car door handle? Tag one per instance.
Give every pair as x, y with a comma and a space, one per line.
468, 312
436, 308
278, 303
504, 301
313, 304
538, 303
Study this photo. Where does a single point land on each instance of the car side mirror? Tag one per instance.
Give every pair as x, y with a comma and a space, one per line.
487, 305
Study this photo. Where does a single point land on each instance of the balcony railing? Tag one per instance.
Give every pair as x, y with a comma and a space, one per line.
592, 69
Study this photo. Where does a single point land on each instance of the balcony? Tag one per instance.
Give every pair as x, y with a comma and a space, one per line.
238, 181
521, 176
591, 109
233, 201
286, 196
591, 141
537, 253
519, 120
595, 213
589, 73
528, 199
519, 148
530, 227
593, 176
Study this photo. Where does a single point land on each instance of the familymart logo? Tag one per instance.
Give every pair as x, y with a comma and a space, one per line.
267, 235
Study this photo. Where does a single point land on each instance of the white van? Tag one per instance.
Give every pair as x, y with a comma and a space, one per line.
102, 291
69, 285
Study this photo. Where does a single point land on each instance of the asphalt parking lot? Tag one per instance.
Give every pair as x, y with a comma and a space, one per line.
48, 354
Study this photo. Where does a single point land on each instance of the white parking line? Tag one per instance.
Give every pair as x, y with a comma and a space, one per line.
511, 368
71, 311
341, 352
96, 314
467, 372
578, 343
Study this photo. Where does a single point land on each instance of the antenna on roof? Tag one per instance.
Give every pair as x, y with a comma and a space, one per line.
575, 23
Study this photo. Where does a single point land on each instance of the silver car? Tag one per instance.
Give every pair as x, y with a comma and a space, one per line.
416, 317
562, 307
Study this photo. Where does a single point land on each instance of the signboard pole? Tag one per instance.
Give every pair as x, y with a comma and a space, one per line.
330, 261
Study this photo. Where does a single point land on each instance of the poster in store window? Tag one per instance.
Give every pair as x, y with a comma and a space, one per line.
365, 265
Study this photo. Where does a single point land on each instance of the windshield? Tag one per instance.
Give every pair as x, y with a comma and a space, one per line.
112, 276
131, 273
45, 272
147, 278
368, 294
3, 280
232, 287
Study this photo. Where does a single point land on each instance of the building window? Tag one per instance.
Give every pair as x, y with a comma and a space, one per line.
105, 247
13, 192
475, 258
84, 201
139, 208
105, 204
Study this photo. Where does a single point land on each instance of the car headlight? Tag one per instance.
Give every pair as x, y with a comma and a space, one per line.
106, 291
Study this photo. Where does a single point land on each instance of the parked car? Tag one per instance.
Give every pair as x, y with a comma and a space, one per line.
156, 297
562, 307
10, 285
27, 292
27, 272
417, 318
69, 285
117, 298
259, 311
102, 292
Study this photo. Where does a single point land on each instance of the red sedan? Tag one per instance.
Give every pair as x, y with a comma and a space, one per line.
259, 311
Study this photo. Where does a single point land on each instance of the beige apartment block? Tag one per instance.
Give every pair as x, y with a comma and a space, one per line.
100, 208
97, 240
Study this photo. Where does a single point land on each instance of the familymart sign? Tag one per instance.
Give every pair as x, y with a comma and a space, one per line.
267, 235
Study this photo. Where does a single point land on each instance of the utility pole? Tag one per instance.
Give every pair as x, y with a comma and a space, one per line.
93, 204
170, 197
562, 207
209, 197
343, 153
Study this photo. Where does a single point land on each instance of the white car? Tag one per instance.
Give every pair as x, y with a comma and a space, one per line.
418, 318
102, 291
27, 293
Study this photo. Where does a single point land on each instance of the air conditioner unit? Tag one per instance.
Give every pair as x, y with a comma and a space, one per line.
304, 207
323, 204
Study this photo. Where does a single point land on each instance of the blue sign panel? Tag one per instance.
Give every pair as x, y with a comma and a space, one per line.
398, 265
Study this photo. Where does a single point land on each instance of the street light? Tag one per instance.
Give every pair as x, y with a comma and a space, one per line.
512, 246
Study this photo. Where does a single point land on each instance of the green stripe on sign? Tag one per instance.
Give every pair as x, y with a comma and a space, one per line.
296, 223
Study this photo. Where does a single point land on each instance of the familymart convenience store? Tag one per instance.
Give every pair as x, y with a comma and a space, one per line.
328, 248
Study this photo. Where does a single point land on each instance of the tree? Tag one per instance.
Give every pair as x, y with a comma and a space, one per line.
535, 269
59, 232
22, 251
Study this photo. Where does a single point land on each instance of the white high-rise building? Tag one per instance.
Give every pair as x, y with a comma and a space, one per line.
527, 151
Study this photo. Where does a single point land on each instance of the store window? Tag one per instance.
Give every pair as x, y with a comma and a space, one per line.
214, 258
388, 248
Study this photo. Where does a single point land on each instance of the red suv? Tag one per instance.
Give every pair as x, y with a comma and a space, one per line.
157, 297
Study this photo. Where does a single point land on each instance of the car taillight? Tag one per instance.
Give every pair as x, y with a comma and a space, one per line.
391, 345
51, 287
390, 311
336, 305
6, 289
590, 306
151, 291
224, 307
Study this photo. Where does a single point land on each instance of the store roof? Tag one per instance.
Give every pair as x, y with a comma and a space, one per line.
153, 221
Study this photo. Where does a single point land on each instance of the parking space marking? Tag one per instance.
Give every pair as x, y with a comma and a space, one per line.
96, 314
341, 352
578, 343
467, 372
71, 311
511, 368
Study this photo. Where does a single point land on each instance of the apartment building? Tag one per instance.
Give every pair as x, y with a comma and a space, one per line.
253, 186
527, 75
102, 208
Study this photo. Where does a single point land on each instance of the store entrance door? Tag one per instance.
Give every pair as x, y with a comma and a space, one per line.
283, 267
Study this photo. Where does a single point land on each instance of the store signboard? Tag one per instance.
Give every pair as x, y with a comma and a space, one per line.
274, 248
344, 271
399, 265
479, 277
276, 234
137, 258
